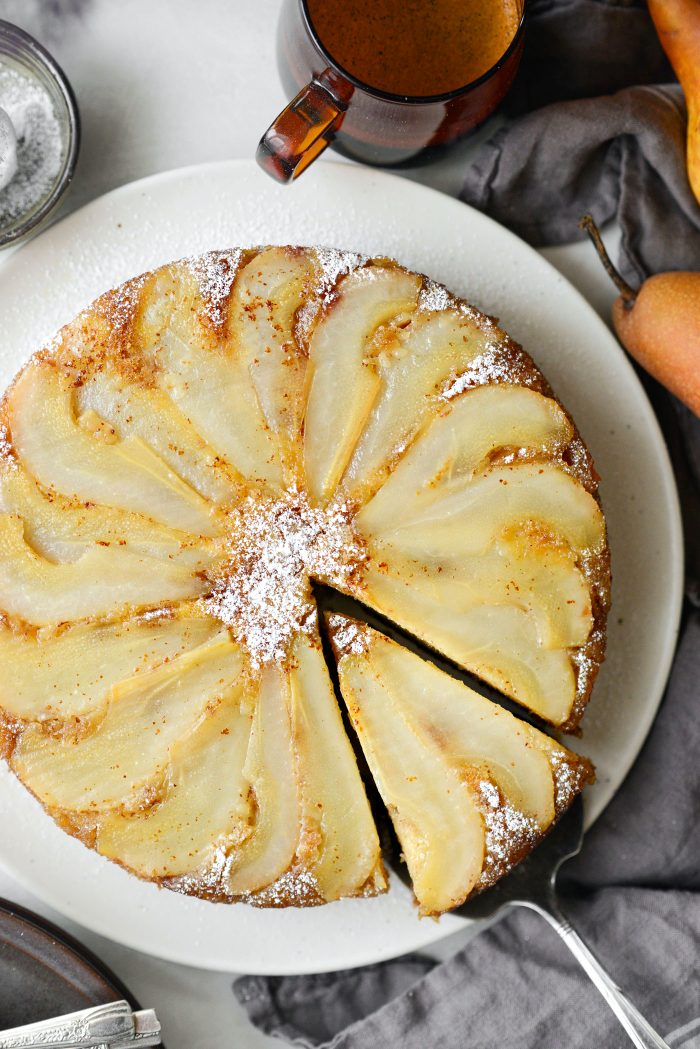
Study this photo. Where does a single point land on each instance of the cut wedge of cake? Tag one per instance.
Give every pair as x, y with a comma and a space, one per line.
182, 465
470, 789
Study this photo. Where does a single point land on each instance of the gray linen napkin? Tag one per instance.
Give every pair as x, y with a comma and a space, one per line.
584, 48
634, 892
620, 155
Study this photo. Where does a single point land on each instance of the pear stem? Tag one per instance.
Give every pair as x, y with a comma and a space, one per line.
628, 295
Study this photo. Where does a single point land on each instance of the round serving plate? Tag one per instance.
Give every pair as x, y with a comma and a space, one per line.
45, 973
192, 210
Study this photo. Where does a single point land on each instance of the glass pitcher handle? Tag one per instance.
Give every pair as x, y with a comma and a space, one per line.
300, 133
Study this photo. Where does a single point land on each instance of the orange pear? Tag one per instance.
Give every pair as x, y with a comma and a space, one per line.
659, 325
678, 26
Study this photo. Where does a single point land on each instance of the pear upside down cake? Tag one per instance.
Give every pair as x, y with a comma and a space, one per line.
179, 466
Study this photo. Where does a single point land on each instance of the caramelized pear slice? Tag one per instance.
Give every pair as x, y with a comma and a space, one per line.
62, 529
80, 456
471, 730
452, 446
339, 846
470, 789
434, 810
69, 674
470, 514
344, 380
102, 582
539, 578
117, 756
413, 374
267, 295
148, 414
203, 803
207, 378
482, 562
499, 643
268, 852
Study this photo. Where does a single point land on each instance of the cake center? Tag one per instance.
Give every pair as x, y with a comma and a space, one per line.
275, 547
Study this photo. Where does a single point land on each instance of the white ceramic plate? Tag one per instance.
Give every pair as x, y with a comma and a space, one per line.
183, 212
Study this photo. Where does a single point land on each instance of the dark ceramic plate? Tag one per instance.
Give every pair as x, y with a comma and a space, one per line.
44, 972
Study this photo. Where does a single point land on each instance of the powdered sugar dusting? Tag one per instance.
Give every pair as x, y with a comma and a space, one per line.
306, 315
332, 264
586, 659
209, 881
297, 887
275, 546
578, 463
434, 297
509, 833
119, 305
335, 264
215, 273
349, 636
164, 612
54, 344
7, 455
567, 780
497, 363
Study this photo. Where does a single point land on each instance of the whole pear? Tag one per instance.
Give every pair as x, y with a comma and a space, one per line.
659, 325
661, 329
678, 26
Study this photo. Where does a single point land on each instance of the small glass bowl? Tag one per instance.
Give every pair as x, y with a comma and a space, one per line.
26, 54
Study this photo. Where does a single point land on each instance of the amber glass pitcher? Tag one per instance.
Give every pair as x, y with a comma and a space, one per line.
415, 100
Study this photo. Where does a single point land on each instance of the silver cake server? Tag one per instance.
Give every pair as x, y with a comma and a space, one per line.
111, 1026
533, 884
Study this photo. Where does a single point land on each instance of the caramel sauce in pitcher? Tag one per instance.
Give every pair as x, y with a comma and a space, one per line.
415, 47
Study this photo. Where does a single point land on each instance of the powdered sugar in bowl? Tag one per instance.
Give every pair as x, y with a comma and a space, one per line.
41, 134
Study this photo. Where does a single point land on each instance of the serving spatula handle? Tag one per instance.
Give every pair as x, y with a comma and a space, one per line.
640, 1032
111, 1026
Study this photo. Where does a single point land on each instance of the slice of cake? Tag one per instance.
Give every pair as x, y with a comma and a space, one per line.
470, 789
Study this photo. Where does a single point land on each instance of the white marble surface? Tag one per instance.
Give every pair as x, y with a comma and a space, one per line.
161, 84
